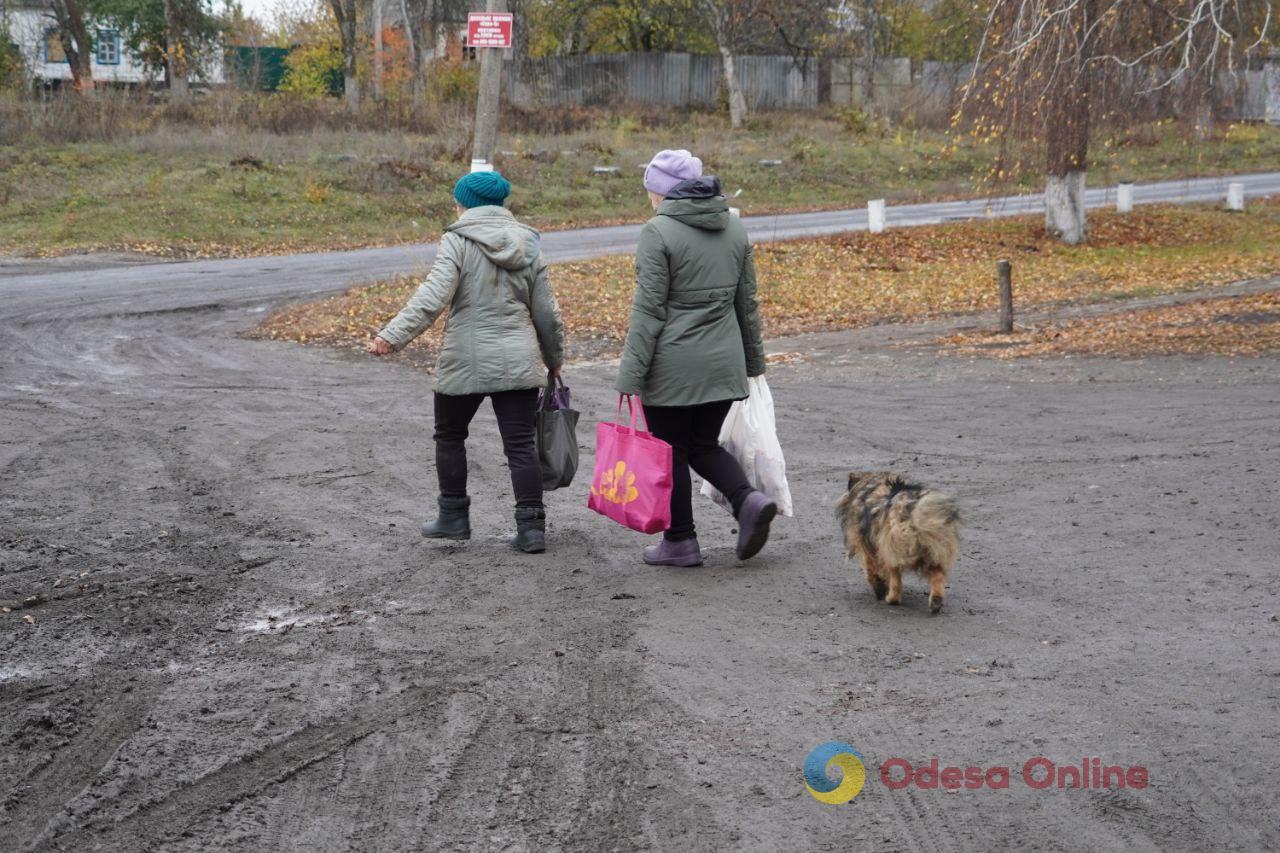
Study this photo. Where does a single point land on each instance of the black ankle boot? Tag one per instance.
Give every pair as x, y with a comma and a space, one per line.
531, 530
454, 521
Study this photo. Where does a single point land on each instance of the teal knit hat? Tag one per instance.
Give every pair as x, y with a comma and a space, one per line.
480, 188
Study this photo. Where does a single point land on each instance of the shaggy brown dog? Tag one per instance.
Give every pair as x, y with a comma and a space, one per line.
895, 526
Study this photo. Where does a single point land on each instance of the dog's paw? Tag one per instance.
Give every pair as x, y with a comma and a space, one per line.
880, 589
935, 605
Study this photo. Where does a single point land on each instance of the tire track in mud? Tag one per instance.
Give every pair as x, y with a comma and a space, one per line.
207, 550
31, 809
545, 756
155, 821
374, 774
371, 794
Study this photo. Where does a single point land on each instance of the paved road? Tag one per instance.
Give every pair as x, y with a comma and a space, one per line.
167, 286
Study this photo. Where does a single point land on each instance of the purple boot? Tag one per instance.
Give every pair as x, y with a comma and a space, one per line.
753, 524
666, 553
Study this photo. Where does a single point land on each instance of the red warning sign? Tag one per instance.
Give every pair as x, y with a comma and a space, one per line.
489, 29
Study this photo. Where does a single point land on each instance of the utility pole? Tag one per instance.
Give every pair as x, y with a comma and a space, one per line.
377, 49
487, 101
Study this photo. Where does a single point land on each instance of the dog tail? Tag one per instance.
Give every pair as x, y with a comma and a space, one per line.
936, 519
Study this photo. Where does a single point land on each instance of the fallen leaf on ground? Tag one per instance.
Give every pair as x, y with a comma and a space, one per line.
859, 279
1225, 325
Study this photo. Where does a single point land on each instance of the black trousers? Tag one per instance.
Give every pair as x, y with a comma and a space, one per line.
694, 435
516, 412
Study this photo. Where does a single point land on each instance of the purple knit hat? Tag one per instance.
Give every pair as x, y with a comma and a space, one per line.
668, 168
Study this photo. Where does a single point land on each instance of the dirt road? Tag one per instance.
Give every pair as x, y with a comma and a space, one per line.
237, 639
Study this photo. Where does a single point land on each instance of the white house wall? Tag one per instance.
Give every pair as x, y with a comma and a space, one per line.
27, 28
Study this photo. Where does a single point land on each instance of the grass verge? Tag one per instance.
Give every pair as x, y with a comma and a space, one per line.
203, 192
1227, 325
860, 279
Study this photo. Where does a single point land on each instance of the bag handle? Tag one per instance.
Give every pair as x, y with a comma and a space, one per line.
633, 404
549, 393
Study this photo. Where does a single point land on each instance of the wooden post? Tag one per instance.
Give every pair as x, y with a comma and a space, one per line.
1005, 271
486, 132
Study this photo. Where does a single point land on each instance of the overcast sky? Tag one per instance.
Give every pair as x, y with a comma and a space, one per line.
260, 9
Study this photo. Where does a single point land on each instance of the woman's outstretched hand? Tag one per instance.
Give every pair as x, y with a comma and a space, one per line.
378, 346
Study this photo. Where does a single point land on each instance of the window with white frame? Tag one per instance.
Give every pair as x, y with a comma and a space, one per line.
108, 52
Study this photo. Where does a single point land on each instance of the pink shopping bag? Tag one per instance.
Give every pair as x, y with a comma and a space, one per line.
632, 479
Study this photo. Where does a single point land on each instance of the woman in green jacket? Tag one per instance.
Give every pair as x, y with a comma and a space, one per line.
503, 327
693, 341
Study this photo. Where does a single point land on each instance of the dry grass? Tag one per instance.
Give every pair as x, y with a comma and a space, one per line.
119, 172
859, 279
1230, 326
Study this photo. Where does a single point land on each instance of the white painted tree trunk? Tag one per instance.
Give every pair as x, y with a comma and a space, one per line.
737, 103
1064, 206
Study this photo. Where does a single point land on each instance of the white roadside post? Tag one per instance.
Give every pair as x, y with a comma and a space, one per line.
1235, 197
1124, 198
875, 215
481, 165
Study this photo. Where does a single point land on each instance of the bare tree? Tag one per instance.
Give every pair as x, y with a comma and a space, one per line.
344, 14
1048, 68
74, 36
425, 20
730, 22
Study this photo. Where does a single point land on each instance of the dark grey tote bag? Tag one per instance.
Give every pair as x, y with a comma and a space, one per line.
557, 436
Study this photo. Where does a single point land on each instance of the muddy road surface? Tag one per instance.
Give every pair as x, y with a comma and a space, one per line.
224, 632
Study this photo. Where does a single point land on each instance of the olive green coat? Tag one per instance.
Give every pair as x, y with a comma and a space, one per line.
695, 328
504, 329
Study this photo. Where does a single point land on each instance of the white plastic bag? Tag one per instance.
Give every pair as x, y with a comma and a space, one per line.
750, 434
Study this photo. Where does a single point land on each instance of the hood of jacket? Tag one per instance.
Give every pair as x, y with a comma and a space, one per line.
508, 243
697, 202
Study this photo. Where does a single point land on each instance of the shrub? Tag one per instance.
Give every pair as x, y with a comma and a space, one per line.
12, 75
455, 82
314, 70
855, 120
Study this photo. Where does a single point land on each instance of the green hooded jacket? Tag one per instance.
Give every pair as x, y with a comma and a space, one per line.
504, 329
695, 328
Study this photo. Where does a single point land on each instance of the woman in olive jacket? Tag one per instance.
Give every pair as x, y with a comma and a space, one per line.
504, 330
694, 339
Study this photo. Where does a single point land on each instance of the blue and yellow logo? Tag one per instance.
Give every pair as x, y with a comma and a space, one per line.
820, 767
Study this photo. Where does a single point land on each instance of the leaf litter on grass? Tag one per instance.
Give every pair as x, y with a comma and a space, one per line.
1226, 325
861, 279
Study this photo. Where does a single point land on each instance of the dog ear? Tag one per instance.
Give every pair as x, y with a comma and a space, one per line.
854, 477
